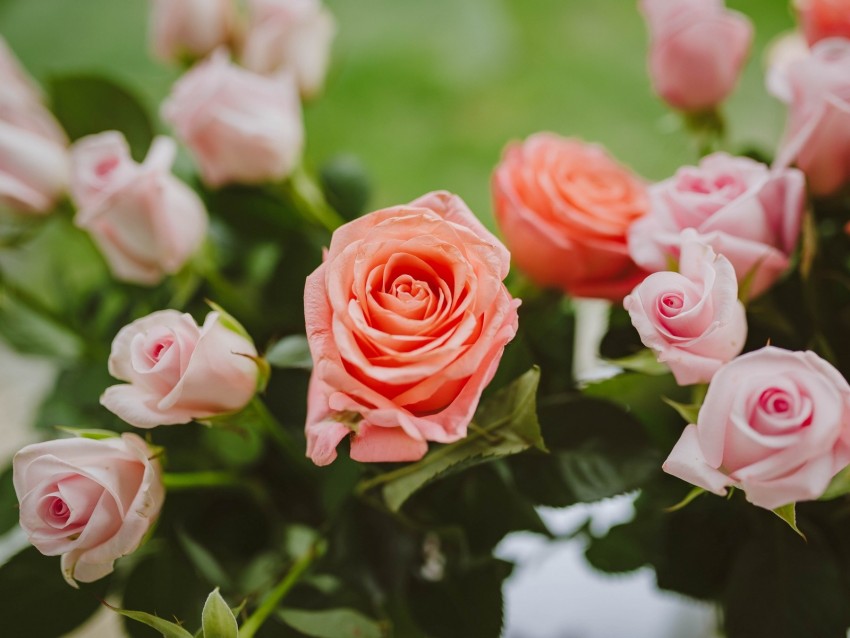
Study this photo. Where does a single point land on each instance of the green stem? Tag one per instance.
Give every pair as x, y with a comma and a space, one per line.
175, 481
272, 600
310, 201
275, 430
37, 306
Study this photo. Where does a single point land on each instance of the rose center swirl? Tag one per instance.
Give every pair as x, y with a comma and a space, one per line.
781, 411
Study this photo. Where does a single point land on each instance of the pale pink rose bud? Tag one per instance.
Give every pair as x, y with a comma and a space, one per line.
146, 222
177, 371
823, 19
746, 212
241, 126
293, 36
817, 135
774, 423
691, 319
92, 501
33, 154
697, 50
564, 207
191, 28
407, 319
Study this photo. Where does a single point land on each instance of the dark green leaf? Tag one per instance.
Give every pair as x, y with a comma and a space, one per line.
290, 352
218, 620
38, 603
204, 561
164, 627
332, 623
689, 412
346, 185
8, 502
624, 548
644, 361
88, 104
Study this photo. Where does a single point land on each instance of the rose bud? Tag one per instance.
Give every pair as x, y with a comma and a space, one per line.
744, 211
33, 154
564, 208
407, 319
92, 501
290, 35
823, 19
817, 135
241, 126
145, 221
697, 50
178, 371
774, 424
182, 29
691, 319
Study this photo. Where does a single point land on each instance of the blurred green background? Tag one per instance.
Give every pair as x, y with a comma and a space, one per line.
427, 93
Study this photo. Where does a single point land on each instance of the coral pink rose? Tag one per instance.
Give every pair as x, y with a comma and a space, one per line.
774, 423
33, 153
739, 207
146, 222
241, 126
290, 35
697, 50
823, 19
407, 319
191, 28
691, 319
178, 371
817, 136
92, 501
564, 208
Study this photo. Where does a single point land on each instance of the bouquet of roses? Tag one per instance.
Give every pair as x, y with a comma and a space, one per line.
325, 419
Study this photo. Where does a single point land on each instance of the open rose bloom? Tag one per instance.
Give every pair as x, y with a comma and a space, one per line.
407, 319
565, 208
823, 19
691, 319
774, 423
92, 501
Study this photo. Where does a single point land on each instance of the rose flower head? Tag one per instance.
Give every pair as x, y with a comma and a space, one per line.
407, 319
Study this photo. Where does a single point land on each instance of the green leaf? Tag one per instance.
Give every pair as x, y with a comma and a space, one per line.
89, 104
689, 412
37, 602
229, 321
203, 560
623, 549
788, 513
332, 623
644, 362
166, 628
839, 486
697, 491
88, 433
505, 424
290, 352
345, 183
218, 619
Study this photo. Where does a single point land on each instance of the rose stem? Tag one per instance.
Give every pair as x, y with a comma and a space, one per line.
276, 431
272, 600
175, 481
309, 200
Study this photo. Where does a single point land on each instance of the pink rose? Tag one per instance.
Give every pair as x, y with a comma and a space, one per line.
33, 154
290, 35
774, 423
92, 501
241, 126
744, 211
564, 207
691, 319
178, 371
697, 50
146, 222
817, 136
407, 319
823, 19
191, 28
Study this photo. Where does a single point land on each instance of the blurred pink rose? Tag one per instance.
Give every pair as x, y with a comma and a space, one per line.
178, 371
241, 126
817, 136
407, 319
691, 319
33, 153
191, 28
146, 222
775, 424
293, 36
744, 211
823, 19
92, 501
564, 208
697, 50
